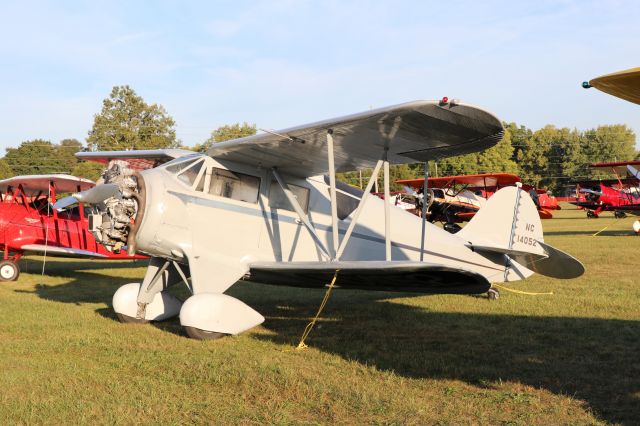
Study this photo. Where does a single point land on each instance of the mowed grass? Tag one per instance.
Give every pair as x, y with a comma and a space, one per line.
390, 358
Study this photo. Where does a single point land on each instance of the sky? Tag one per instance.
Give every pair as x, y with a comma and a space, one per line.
284, 63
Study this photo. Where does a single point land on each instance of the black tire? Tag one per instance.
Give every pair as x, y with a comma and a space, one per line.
9, 270
619, 214
452, 228
196, 333
126, 319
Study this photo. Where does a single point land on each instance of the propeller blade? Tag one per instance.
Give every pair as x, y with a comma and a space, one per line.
590, 191
65, 202
95, 195
409, 190
98, 193
634, 171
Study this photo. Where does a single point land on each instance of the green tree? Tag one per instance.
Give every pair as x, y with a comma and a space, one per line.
225, 133
498, 158
608, 143
88, 170
5, 170
128, 122
37, 156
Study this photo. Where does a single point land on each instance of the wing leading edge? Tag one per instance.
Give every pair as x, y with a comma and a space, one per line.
412, 132
415, 277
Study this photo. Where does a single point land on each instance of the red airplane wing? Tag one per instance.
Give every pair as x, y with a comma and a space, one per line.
478, 180
619, 167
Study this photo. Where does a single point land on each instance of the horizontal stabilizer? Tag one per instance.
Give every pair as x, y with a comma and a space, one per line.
557, 264
417, 277
503, 250
553, 263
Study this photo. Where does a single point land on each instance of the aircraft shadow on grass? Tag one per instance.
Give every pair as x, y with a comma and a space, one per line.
590, 359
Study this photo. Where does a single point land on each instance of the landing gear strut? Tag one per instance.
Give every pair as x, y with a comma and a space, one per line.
493, 294
9, 270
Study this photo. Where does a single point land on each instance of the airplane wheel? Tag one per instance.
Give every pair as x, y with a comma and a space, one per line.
196, 333
9, 270
452, 228
619, 215
126, 319
493, 294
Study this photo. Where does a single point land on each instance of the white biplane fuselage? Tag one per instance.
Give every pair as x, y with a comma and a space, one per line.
252, 225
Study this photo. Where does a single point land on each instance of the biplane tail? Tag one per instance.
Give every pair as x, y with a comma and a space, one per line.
509, 224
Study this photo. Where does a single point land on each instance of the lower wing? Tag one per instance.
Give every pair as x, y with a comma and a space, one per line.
416, 277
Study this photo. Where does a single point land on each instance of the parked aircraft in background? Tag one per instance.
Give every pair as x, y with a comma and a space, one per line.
620, 195
260, 208
29, 223
456, 199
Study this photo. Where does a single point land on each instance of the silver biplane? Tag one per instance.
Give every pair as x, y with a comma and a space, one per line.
268, 208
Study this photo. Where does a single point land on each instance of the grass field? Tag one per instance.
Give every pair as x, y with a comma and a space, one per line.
390, 358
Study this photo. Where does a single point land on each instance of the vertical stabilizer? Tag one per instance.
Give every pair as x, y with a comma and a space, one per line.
509, 221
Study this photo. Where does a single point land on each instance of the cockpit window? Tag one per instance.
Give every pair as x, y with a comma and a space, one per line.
188, 172
234, 185
278, 199
179, 164
347, 198
438, 193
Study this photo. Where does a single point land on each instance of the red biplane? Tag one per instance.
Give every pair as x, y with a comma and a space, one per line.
618, 195
455, 199
30, 224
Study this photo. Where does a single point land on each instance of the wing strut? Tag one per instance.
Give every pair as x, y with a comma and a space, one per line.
296, 206
356, 215
387, 209
425, 187
388, 136
332, 191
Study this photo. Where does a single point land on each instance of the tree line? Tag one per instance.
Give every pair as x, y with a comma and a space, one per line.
550, 157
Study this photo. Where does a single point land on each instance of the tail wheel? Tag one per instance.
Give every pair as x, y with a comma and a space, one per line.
9, 270
196, 333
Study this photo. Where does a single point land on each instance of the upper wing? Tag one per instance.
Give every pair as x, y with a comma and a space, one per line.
416, 277
623, 84
479, 180
619, 167
137, 160
414, 131
35, 184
